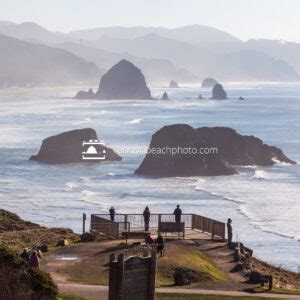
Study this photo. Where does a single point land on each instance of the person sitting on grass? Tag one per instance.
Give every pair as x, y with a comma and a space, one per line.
149, 239
160, 245
34, 261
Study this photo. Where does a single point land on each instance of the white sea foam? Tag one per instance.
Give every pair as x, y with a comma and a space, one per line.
280, 163
134, 121
260, 174
70, 186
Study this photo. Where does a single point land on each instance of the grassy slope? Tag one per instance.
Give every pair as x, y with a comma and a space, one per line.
17, 233
22, 282
198, 265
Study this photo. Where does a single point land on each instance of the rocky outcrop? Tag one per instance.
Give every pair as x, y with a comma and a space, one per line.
173, 84
209, 82
241, 98
178, 150
85, 95
123, 81
200, 97
165, 96
218, 92
68, 147
178, 139
240, 149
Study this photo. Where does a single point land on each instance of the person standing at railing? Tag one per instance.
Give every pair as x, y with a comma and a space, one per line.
112, 213
146, 215
229, 232
178, 213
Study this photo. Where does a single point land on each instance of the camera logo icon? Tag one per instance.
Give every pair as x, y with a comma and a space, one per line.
93, 150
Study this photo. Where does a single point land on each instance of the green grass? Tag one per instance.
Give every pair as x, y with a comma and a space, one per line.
199, 267
203, 297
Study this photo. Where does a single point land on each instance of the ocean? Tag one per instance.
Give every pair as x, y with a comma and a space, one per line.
263, 202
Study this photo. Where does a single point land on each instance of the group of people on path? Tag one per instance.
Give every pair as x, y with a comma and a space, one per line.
31, 258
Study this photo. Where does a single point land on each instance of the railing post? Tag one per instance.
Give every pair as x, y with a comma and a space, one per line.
193, 221
125, 220
83, 223
159, 221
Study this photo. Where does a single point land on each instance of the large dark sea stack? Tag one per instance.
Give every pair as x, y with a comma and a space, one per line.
123, 81
67, 147
181, 137
218, 92
231, 149
240, 149
209, 82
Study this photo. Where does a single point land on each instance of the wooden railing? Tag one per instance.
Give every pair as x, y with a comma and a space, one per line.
105, 226
215, 228
135, 222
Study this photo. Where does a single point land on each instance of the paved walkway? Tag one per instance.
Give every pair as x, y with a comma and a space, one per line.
101, 292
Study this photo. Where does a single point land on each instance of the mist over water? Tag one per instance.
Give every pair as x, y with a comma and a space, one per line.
263, 202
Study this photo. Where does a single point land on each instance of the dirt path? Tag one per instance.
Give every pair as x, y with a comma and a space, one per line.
101, 292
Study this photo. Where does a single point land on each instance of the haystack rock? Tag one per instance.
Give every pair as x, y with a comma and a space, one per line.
218, 92
85, 95
165, 96
69, 147
173, 84
227, 148
123, 81
209, 82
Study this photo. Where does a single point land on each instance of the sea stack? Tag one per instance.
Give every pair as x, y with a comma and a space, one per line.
75, 146
218, 92
178, 152
123, 81
178, 138
165, 96
173, 84
85, 95
209, 82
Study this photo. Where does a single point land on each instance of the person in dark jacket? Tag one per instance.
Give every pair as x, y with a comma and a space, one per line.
159, 243
112, 213
25, 255
177, 213
149, 239
229, 232
146, 215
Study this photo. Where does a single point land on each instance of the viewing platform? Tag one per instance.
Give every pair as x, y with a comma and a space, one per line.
191, 226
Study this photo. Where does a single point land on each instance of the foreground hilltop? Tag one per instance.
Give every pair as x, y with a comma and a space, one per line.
123, 81
17, 233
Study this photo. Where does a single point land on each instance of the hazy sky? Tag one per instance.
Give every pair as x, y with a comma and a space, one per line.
277, 19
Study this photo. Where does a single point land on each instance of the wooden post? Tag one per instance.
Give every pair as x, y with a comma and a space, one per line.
159, 221
152, 275
83, 223
120, 277
112, 278
212, 230
125, 220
